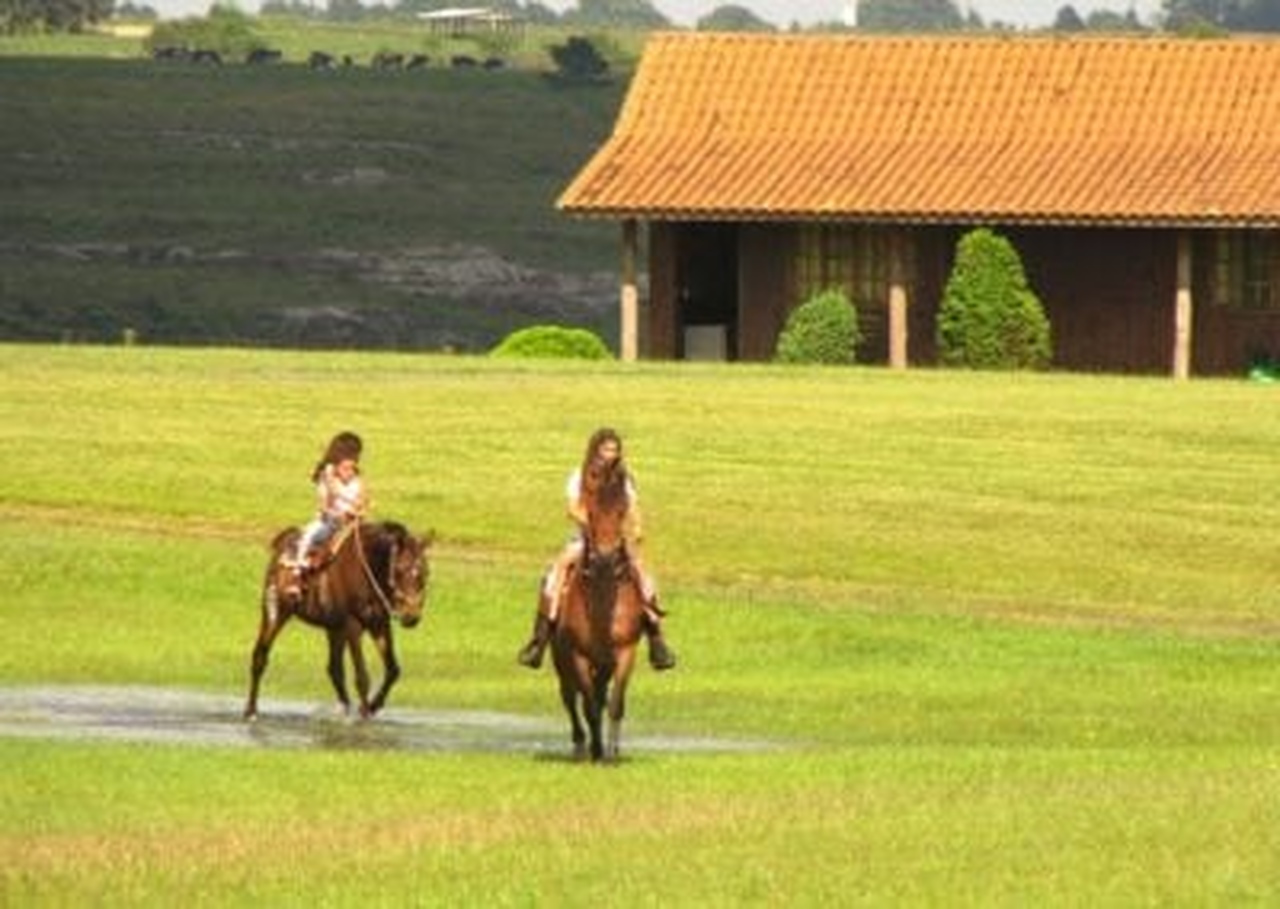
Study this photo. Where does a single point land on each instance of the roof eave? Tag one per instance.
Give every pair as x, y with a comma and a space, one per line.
1029, 219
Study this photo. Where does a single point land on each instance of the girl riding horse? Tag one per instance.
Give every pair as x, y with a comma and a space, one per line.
341, 497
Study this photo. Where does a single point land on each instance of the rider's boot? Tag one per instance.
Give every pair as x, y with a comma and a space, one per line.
531, 653
660, 655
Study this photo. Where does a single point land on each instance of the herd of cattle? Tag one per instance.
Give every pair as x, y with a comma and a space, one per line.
384, 60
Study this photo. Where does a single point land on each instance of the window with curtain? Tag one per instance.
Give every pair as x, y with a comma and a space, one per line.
849, 257
1247, 269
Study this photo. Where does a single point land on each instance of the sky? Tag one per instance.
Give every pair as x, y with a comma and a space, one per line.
1022, 13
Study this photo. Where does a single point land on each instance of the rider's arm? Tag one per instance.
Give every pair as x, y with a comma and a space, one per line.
573, 501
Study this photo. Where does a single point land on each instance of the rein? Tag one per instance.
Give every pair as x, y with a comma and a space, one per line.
368, 572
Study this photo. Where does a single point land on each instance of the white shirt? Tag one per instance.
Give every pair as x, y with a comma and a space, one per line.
339, 499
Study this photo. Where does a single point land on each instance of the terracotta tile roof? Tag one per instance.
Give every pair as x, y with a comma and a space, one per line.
1048, 130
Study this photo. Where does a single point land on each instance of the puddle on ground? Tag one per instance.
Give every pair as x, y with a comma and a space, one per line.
176, 716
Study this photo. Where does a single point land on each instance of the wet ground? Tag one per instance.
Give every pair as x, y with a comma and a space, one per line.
175, 716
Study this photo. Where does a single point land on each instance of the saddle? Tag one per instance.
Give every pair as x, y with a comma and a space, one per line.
316, 560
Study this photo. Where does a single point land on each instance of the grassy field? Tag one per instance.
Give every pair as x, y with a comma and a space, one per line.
1005, 640
276, 206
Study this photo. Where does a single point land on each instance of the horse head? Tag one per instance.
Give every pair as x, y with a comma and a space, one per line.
407, 572
605, 495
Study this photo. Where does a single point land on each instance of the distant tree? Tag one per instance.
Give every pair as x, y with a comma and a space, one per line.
345, 10
1105, 20
1257, 16
1199, 16
52, 15
128, 10
578, 60
732, 18
909, 16
540, 14
1068, 20
226, 30
303, 9
616, 13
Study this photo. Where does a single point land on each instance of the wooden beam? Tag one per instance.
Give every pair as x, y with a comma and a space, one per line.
897, 300
630, 303
1182, 311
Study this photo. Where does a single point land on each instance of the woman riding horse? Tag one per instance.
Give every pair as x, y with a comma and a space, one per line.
602, 616
604, 451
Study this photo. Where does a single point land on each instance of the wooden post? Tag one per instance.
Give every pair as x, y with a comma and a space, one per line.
630, 302
1182, 310
897, 300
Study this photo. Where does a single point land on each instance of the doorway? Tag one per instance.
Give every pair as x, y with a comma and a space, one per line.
707, 292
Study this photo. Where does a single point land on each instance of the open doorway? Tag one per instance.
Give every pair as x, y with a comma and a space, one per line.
707, 292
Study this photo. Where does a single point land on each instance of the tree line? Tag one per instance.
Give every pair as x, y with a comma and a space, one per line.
1180, 16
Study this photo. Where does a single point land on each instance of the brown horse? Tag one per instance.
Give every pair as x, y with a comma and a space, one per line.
601, 619
379, 572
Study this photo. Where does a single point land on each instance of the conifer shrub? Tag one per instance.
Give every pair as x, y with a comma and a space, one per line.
989, 317
823, 329
553, 342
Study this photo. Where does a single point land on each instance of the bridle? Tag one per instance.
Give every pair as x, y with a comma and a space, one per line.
392, 605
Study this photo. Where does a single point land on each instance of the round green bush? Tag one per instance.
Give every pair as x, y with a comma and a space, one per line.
553, 342
824, 329
989, 318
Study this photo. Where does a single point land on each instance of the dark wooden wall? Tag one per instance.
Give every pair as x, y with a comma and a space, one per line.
1108, 292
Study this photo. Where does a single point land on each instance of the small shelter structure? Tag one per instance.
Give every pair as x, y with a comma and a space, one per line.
1138, 178
459, 21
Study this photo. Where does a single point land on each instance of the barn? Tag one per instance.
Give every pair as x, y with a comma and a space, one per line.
1138, 178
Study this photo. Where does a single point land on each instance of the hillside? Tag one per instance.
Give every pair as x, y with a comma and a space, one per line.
280, 206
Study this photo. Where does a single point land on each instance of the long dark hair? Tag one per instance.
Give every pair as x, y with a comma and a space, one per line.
611, 483
342, 447
598, 438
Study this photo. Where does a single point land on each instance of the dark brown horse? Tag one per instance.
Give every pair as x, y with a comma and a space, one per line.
601, 620
379, 572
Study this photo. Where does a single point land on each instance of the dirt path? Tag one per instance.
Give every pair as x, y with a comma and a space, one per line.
177, 716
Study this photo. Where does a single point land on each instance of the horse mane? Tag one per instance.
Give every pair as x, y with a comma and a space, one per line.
393, 529
383, 536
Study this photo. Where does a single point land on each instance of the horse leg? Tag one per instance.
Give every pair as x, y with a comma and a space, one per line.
597, 697
273, 620
569, 697
337, 641
617, 704
354, 630
390, 668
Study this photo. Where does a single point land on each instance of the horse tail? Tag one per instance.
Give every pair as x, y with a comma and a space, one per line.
283, 539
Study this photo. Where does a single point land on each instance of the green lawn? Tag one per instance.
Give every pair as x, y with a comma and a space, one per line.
991, 639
